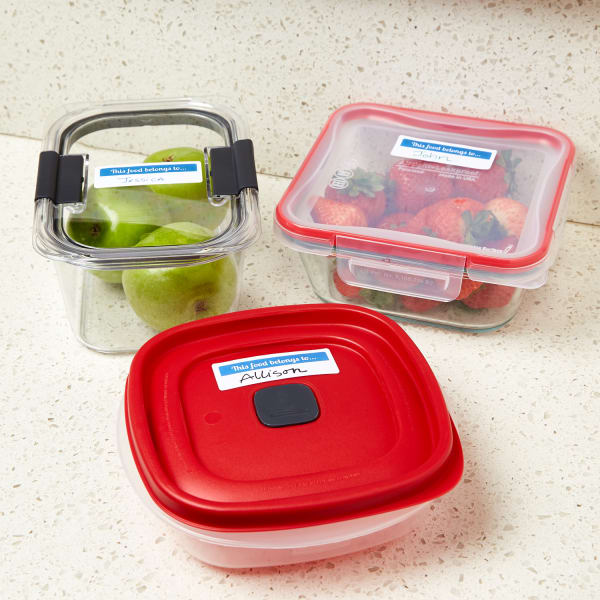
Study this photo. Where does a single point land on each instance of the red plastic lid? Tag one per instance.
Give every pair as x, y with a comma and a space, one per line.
326, 412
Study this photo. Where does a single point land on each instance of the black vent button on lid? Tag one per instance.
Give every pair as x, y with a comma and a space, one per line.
286, 404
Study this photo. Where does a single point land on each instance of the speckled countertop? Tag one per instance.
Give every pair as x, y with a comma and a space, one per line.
522, 524
290, 64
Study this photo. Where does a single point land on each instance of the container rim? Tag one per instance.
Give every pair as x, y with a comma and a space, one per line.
49, 236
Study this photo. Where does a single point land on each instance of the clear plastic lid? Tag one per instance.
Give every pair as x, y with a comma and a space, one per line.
411, 201
150, 183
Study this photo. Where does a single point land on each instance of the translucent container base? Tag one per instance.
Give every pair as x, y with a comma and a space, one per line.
100, 315
286, 546
150, 190
453, 315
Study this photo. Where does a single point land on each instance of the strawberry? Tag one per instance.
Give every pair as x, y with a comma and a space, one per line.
364, 189
490, 295
419, 222
483, 185
417, 184
449, 219
407, 222
510, 213
467, 287
345, 289
419, 304
383, 300
498, 225
396, 221
332, 212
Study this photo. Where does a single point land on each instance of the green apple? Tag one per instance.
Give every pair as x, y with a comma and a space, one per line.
108, 276
187, 201
193, 191
117, 218
165, 297
201, 212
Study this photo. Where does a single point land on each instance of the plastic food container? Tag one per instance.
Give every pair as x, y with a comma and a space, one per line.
430, 217
146, 208
286, 434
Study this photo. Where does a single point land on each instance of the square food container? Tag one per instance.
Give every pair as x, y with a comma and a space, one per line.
146, 208
430, 217
286, 434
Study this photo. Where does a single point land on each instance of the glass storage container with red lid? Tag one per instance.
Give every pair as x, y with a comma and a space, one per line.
286, 434
146, 208
431, 217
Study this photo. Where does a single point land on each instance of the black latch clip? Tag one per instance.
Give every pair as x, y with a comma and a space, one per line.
60, 177
232, 169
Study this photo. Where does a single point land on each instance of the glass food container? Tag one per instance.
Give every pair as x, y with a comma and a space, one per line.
146, 208
428, 217
286, 434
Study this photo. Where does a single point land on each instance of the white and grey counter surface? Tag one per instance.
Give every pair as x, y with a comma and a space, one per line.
522, 524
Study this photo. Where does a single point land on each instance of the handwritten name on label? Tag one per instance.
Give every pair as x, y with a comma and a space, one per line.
443, 152
148, 174
269, 367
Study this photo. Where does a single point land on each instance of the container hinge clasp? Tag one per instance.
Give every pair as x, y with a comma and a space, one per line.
60, 178
232, 169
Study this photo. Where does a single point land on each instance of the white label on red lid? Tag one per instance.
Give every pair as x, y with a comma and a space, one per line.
148, 174
444, 152
273, 367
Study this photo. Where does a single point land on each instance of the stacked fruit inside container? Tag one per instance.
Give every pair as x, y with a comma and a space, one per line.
160, 215
455, 204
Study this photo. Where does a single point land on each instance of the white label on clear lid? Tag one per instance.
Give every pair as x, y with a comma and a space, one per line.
273, 367
148, 174
443, 152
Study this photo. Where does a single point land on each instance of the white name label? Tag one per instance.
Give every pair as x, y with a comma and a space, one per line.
443, 152
148, 174
273, 367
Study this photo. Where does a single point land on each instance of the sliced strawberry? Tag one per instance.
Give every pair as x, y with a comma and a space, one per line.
417, 184
419, 305
490, 295
332, 212
345, 289
364, 189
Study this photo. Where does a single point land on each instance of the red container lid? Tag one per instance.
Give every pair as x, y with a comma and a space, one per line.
288, 417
